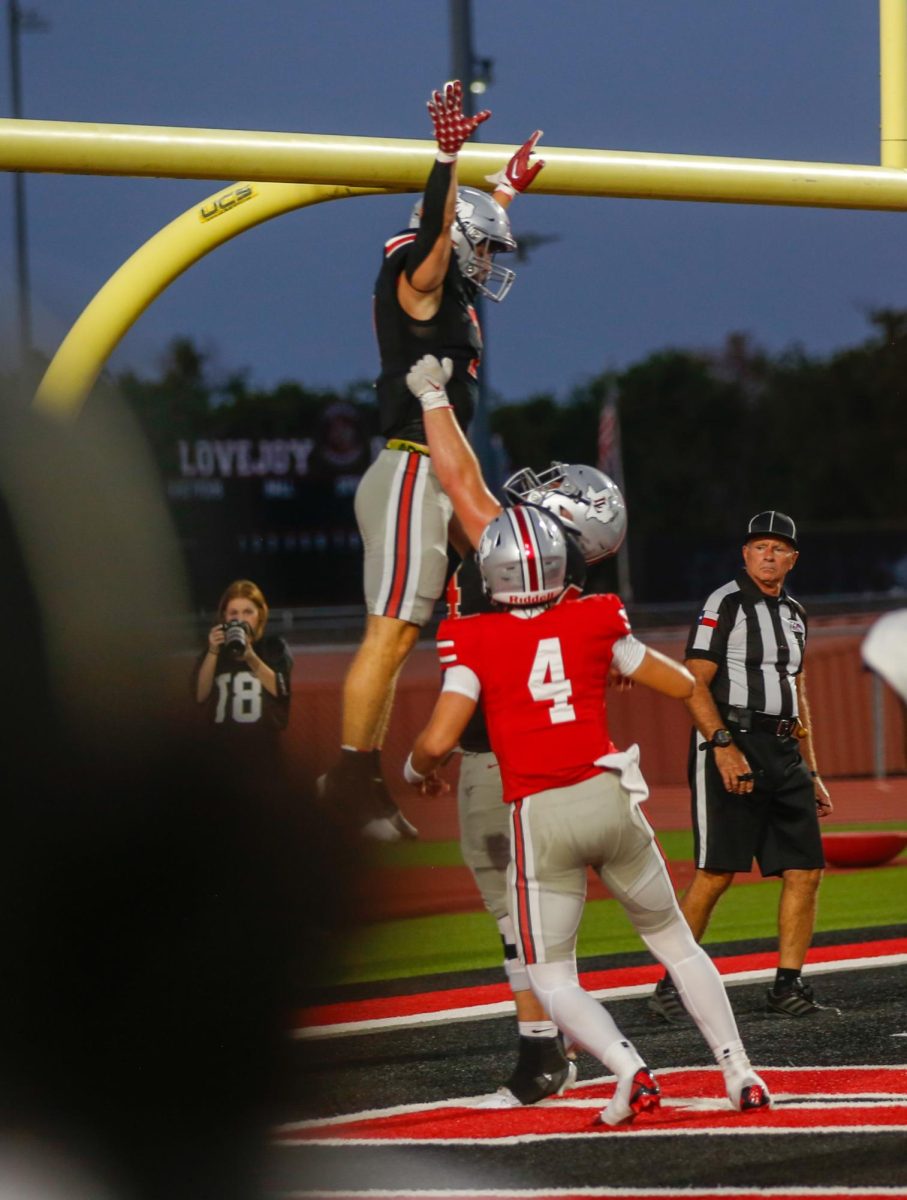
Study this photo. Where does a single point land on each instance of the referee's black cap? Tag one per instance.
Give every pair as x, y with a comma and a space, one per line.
778, 524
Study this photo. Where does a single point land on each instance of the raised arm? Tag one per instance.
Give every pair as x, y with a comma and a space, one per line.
207, 668
453, 459
517, 175
419, 285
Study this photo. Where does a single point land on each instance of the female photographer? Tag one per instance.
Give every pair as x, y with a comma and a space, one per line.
243, 677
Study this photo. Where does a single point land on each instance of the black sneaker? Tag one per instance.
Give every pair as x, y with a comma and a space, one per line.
387, 816
665, 1002
796, 1001
542, 1070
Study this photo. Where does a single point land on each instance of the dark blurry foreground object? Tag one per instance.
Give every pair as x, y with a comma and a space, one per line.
156, 914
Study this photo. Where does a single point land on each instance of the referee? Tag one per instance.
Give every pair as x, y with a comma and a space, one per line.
756, 792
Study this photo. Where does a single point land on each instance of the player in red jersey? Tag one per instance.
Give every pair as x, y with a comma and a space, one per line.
592, 509
541, 670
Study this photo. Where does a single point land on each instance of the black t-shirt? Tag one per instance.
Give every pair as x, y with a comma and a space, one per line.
239, 708
453, 332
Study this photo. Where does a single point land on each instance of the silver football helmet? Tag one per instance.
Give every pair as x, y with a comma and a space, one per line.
481, 229
588, 502
522, 555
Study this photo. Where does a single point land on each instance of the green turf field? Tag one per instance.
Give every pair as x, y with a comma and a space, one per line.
676, 844
466, 941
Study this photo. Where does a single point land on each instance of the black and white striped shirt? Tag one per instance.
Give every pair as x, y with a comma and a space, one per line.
757, 642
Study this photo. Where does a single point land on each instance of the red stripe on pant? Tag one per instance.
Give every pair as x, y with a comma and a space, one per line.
523, 921
403, 543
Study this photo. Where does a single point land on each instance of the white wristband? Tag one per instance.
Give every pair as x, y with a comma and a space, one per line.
433, 400
502, 183
410, 774
443, 157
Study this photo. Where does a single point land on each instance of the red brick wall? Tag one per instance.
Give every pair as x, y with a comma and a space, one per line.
840, 691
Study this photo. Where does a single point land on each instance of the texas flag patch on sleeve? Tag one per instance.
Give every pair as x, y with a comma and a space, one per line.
708, 618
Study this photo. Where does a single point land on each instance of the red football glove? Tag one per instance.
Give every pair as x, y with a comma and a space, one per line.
519, 173
452, 126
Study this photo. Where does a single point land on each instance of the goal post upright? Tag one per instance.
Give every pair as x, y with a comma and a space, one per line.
116, 307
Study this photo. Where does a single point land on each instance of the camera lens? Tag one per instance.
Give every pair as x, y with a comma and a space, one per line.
235, 638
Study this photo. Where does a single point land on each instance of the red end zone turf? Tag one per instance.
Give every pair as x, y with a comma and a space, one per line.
693, 1101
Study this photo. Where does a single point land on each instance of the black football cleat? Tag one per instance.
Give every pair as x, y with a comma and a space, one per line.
542, 1070
665, 1002
796, 1001
362, 802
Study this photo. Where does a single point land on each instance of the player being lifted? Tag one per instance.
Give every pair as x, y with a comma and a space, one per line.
540, 669
424, 301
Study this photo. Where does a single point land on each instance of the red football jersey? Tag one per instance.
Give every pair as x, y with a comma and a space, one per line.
543, 687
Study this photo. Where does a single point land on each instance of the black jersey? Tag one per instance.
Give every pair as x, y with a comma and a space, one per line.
453, 332
239, 708
466, 596
756, 641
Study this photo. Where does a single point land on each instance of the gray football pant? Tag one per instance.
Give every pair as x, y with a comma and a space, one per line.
555, 836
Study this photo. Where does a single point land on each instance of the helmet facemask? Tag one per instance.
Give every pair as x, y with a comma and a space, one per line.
479, 222
478, 265
586, 500
481, 229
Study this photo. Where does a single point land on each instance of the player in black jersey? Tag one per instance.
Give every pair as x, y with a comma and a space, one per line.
424, 301
243, 676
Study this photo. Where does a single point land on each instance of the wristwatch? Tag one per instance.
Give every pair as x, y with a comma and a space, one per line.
720, 739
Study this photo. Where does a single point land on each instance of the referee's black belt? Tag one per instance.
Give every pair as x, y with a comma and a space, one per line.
748, 720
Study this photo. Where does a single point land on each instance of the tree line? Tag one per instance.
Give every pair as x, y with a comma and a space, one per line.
708, 439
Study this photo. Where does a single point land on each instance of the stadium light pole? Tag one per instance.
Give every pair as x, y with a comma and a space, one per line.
18, 21
475, 74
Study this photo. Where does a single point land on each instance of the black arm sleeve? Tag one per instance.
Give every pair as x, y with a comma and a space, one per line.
432, 220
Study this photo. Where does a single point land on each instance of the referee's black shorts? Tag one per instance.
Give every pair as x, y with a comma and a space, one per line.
776, 823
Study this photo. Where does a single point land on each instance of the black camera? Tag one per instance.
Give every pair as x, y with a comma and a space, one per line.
236, 637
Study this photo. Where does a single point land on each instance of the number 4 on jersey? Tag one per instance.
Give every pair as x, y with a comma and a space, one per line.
549, 684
